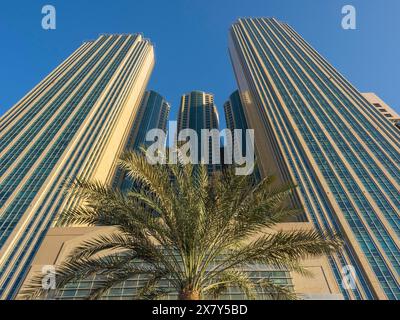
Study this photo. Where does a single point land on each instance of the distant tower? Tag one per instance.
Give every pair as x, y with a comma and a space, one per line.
236, 119
74, 123
197, 112
153, 113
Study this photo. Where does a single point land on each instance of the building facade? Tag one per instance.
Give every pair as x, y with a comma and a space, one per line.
383, 108
236, 120
197, 112
313, 127
153, 113
74, 123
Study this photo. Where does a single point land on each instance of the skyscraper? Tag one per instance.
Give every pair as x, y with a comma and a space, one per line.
313, 127
198, 111
236, 119
74, 123
153, 113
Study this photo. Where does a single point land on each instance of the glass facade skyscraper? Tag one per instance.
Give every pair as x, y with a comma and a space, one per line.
153, 113
313, 127
235, 118
198, 111
74, 123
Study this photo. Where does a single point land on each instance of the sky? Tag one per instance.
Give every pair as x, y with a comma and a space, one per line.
191, 41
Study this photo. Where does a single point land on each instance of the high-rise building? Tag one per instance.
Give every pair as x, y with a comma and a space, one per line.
197, 112
74, 123
313, 127
153, 113
236, 119
383, 108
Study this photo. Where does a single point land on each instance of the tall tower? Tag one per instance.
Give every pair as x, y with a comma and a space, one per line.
74, 123
197, 112
236, 119
313, 127
152, 114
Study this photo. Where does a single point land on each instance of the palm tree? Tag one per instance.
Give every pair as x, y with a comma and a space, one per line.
195, 232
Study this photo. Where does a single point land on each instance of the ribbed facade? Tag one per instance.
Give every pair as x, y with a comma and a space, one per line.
236, 119
313, 127
198, 111
153, 113
74, 123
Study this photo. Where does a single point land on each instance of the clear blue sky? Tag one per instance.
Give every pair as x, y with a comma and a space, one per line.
191, 40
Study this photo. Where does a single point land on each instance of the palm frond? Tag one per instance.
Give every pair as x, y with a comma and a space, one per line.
188, 228
229, 279
272, 291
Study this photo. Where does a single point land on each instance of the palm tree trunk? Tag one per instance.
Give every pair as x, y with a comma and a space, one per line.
189, 294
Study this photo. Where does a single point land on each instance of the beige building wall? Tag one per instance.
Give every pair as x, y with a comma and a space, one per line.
322, 284
382, 107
